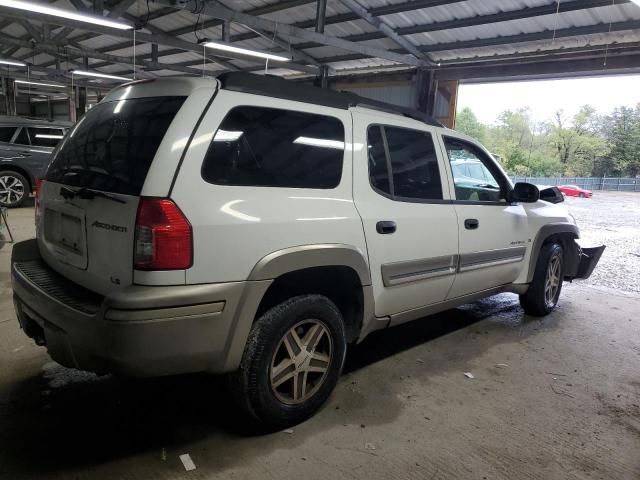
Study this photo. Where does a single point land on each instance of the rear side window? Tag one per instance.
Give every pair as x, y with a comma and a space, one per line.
23, 137
45, 137
6, 133
268, 147
412, 159
112, 147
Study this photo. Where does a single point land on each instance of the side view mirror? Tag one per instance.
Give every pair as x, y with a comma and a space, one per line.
551, 194
525, 192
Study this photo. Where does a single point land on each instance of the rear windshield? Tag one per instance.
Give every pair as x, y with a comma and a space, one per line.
112, 146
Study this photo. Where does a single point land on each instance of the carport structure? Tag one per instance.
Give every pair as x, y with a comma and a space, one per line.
422, 46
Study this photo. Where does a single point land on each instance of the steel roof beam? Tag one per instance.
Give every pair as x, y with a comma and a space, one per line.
534, 36
64, 52
384, 29
520, 14
31, 30
162, 39
629, 63
163, 12
510, 39
216, 9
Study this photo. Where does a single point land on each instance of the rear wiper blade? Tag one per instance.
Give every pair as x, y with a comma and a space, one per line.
86, 194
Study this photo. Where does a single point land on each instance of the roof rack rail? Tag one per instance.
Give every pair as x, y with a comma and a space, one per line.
279, 87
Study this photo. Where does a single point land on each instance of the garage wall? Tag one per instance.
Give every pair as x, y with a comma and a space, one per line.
60, 110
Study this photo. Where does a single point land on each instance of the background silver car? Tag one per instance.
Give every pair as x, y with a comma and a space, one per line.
25, 147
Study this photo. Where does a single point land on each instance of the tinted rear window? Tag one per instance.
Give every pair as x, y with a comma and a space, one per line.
45, 137
6, 133
23, 137
113, 145
268, 147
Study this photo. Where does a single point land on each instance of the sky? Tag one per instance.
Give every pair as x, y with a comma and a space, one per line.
545, 97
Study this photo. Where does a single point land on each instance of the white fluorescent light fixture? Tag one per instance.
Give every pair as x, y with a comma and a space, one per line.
38, 84
227, 136
84, 73
245, 51
13, 63
320, 142
46, 135
58, 12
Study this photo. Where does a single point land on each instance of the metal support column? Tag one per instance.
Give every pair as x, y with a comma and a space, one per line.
81, 92
426, 91
321, 13
154, 52
226, 31
71, 100
324, 76
8, 87
49, 109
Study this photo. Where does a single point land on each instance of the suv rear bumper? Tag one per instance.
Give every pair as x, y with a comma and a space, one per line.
135, 331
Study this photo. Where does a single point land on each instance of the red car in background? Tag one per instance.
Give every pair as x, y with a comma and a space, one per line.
575, 191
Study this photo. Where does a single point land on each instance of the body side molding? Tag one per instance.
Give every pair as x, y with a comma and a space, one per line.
490, 258
414, 270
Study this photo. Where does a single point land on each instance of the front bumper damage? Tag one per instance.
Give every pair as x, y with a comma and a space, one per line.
580, 264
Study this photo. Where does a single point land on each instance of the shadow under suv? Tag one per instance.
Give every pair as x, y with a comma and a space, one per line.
25, 147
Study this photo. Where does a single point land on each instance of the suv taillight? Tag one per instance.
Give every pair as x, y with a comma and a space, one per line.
38, 187
163, 238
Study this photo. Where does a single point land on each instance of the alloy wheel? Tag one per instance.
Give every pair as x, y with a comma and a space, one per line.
552, 280
11, 190
301, 361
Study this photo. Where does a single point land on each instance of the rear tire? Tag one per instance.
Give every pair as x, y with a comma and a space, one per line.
543, 293
292, 361
14, 189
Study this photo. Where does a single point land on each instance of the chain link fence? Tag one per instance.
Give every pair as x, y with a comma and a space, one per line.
619, 184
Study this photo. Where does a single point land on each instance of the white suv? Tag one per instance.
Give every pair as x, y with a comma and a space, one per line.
254, 226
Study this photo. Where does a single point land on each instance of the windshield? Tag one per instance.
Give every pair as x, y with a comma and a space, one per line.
111, 148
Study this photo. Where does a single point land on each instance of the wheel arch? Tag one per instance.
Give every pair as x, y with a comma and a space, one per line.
563, 233
300, 257
22, 171
337, 271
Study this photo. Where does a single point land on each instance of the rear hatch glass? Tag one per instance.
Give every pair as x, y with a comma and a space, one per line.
112, 146
89, 200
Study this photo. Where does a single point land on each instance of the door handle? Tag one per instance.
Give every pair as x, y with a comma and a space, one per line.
385, 227
471, 223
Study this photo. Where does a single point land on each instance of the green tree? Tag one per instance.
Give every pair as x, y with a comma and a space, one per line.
468, 123
586, 144
623, 134
578, 143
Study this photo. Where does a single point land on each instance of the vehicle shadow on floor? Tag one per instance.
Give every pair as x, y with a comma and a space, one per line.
65, 419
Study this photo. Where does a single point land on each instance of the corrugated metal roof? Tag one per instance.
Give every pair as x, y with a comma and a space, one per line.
185, 19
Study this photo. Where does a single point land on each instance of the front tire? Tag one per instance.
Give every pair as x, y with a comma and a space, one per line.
581, 195
544, 291
292, 361
14, 189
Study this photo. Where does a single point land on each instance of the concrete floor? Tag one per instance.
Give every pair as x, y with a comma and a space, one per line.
557, 398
